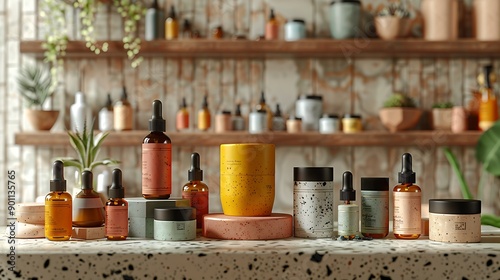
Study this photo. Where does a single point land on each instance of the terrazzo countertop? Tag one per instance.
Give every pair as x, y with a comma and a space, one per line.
291, 258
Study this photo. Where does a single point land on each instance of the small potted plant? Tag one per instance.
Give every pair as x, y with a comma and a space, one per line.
393, 22
442, 116
35, 86
399, 113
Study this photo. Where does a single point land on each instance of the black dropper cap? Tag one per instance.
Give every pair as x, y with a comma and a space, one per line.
195, 173
183, 103
272, 16
58, 183
406, 176
155, 5
278, 111
262, 98
87, 178
488, 69
238, 110
116, 190
186, 25
204, 105
347, 193
109, 102
124, 93
171, 14
157, 123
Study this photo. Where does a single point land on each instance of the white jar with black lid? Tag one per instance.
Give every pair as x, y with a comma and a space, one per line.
175, 223
329, 124
309, 108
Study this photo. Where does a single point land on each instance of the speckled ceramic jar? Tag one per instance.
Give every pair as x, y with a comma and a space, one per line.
313, 202
175, 223
247, 179
455, 220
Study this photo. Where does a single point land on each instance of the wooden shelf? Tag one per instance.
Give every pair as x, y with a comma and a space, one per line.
310, 48
384, 139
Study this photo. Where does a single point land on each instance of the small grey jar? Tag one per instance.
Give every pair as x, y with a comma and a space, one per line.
345, 18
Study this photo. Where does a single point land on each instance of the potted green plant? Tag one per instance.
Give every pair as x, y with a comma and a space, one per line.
441, 115
488, 154
87, 147
399, 113
35, 86
393, 22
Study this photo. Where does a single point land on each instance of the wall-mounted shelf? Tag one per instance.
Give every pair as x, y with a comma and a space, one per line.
369, 138
310, 48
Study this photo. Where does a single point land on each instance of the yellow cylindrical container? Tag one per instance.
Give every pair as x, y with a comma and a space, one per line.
247, 179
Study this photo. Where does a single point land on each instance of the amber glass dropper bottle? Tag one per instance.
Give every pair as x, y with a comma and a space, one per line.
156, 158
204, 117
58, 207
88, 210
196, 191
407, 220
269, 113
116, 209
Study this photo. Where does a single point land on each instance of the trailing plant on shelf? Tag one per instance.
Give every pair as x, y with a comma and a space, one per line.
87, 12
488, 154
131, 12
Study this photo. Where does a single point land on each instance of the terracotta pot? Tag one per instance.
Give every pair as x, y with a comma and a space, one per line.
41, 120
441, 118
398, 119
390, 27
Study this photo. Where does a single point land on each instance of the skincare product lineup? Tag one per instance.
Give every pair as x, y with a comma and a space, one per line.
247, 193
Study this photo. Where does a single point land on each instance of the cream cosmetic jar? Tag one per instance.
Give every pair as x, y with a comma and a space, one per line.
175, 223
455, 220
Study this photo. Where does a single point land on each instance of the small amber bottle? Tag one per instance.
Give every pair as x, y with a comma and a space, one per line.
171, 25
204, 116
88, 210
116, 210
123, 113
488, 107
407, 220
182, 118
218, 32
58, 207
196, 191
269, 113
272, 27
156, 158
187, 30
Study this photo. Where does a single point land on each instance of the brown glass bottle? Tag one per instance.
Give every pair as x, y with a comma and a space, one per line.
196, 191
58, 207
156, 158
88, 210
116, 210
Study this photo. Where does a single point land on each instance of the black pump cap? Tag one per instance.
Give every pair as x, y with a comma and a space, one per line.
278, 111
124, 93
87, 178
488, 69
183, 103
272, 16
157, 123
347, 192
58, 183
171, 14
109, 102
195, 173
238, 110
262, 97
116, 190
406, 176
205, 102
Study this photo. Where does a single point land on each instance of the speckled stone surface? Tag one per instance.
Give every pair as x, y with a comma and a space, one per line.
291, 258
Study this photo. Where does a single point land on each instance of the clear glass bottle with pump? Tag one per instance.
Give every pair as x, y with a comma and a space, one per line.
171, 25
269, 113
196, 191
58, 207
488, 107
348, 213
116, 209
156, 158
88, 210
182, 118
123, 113
407, 200
106, 116
204, 117
278, 120
154, 22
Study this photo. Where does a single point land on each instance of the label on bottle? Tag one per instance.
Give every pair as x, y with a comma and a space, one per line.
407, 212
58, 218
348, 219
156, 169
117, 220
123, 117
198, 200
92, 202
374, 212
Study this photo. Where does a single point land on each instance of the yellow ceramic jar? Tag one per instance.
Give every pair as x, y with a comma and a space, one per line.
247, 179
351, 123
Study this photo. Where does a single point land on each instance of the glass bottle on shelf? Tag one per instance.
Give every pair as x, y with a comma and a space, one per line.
488, 108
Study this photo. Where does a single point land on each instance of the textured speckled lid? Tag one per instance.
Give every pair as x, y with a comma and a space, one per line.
175, 214
455, 206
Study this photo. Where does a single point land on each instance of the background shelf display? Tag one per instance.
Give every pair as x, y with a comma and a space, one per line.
428, 138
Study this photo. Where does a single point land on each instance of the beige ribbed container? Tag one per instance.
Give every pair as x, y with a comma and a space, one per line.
440, 19
487, 19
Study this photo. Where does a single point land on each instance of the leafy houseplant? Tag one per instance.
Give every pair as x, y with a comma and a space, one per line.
488, 154
35, 86
393, 22
399, 113
442, 115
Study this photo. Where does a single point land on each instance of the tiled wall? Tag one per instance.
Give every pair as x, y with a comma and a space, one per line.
348, 86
